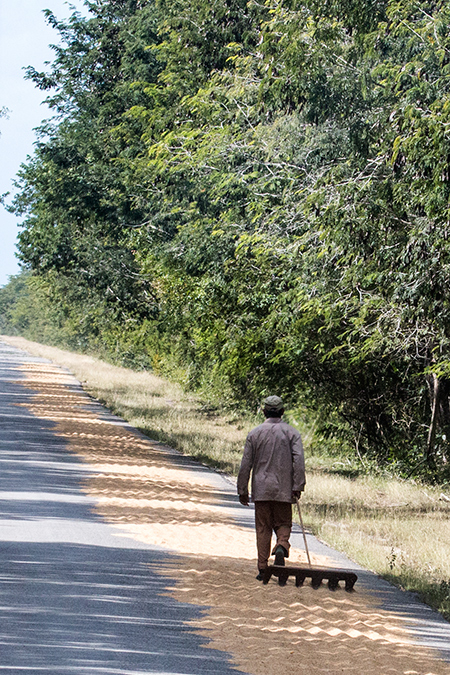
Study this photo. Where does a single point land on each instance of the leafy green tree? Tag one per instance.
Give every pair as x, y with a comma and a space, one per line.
256, 196
73, 194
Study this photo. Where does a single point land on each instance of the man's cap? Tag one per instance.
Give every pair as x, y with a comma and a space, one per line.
273, 404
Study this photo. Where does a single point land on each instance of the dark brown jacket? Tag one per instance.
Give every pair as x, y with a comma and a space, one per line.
274, 454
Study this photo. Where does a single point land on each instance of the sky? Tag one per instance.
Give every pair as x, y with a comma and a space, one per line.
24, 40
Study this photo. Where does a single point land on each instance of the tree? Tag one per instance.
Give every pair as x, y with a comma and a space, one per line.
258, 193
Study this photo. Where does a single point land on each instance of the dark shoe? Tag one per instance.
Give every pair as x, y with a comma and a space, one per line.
260, 575
280, 554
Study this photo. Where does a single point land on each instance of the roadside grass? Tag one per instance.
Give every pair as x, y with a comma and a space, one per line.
398, 529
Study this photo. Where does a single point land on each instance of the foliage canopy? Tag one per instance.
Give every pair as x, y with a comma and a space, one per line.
255, 198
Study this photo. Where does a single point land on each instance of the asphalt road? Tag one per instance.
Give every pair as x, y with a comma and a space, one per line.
76, 598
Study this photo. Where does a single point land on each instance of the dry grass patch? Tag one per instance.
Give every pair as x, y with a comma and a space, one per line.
398, 529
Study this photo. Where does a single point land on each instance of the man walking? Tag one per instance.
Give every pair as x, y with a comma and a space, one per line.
274, 454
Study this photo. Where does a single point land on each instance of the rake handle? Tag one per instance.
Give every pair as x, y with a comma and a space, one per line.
303, 531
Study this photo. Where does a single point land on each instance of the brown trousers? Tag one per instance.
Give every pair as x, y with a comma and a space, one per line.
276, 516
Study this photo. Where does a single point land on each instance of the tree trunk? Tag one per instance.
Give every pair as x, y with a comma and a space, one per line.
435, 388
444, 417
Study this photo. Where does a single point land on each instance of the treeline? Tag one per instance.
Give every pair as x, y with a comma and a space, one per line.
253, 197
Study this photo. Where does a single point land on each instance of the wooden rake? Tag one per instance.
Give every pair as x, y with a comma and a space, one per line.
316, 574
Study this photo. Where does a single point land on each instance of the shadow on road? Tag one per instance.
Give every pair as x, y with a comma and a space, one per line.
76, 608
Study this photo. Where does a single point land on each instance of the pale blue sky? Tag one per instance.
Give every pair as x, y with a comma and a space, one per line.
24, 40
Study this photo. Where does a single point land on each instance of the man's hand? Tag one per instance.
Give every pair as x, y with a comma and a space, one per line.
244, 499
296, 494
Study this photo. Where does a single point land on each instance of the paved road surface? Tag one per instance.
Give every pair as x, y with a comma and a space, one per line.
77, 596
